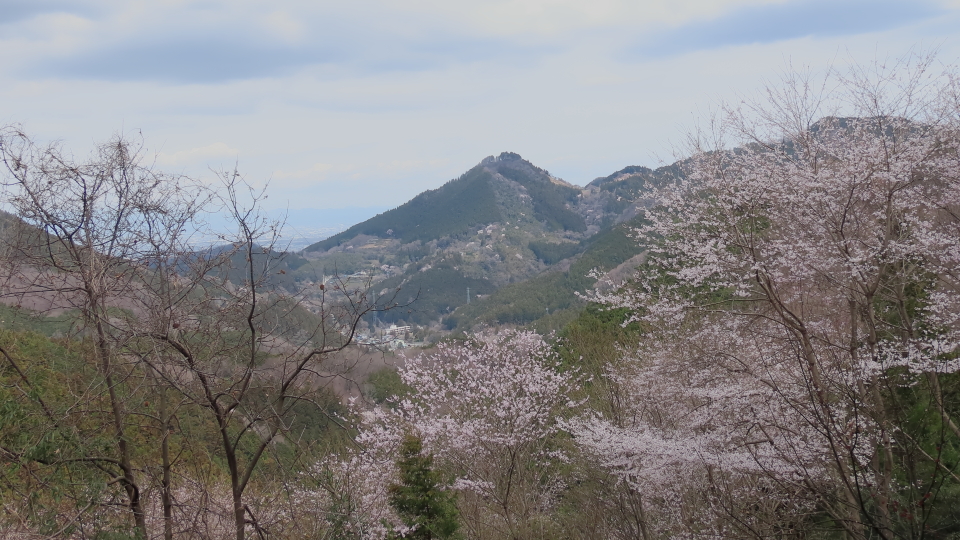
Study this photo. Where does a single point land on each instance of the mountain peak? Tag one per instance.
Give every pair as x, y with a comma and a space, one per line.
477, 198
504, 156
512, 160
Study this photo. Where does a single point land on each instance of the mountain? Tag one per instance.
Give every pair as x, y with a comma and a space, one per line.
551, 297
504, 243
480, 197
513, 237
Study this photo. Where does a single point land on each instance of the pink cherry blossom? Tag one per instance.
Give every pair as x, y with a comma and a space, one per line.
792, 286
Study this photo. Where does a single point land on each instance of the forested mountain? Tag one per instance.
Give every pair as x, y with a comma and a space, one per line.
452, 209
552, 294
505, 227
477, 198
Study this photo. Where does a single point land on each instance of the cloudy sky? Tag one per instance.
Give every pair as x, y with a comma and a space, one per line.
366, 103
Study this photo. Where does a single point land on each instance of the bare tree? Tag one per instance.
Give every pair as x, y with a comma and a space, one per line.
198, 331
246, 355
88, 235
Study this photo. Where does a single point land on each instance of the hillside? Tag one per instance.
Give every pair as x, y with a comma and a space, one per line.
477, 198
520, 240
448, 210
555, 290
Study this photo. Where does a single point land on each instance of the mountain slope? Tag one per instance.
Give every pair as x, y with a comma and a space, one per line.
556, 289
518, 239
450, 209
479, 197
549, 196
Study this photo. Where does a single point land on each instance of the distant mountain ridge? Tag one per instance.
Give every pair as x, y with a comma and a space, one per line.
473, 199
504, 243
505, 237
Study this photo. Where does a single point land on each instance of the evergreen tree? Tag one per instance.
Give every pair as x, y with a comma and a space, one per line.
428, 510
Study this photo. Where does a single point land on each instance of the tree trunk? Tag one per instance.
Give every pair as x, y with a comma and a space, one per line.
165, 457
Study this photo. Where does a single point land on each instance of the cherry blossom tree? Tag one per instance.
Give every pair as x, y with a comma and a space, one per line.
801, 316
488, 411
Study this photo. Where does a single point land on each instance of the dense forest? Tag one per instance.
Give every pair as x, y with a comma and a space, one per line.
784, 361
525, 302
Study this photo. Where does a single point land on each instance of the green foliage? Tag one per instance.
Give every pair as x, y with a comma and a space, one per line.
927, 462
55, 445
22, 319
384, 384
598, 320
43, 432
594, 339
313, 419
418, 499
553, 252
549, 199
555, 321
522, 303
528, 301
451, 209
439, 290
593, 343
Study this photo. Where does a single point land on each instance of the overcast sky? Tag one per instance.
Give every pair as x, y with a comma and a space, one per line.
369, 102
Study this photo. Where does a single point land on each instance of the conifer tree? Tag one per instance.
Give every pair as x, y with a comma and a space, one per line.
418, 499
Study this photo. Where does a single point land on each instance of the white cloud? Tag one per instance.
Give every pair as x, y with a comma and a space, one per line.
372, 101
284, 26
553, 18
202, 155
